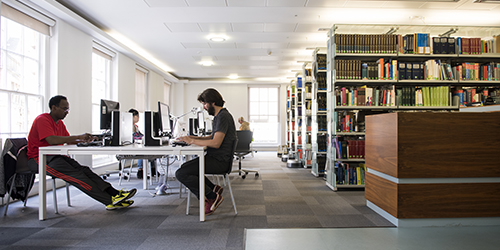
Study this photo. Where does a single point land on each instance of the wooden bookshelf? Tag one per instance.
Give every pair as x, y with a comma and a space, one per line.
433, 165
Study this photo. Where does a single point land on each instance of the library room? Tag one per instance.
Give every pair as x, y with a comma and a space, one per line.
265, 124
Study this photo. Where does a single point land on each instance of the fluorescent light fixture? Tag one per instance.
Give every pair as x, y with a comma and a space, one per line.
233, 76
139, 50
207, 63
217, 39
486, 1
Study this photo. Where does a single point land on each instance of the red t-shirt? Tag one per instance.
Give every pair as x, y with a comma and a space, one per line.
43, 127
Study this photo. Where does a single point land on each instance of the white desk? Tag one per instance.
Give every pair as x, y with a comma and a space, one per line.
133, 149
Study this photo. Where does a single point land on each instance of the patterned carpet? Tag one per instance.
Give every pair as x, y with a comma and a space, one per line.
280, 197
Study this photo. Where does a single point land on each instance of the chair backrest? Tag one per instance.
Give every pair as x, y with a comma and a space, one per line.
244, 139
230, 167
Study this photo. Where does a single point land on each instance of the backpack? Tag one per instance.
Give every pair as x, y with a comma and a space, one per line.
14, 157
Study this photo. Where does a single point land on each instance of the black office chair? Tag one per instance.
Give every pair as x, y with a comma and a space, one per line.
243, 148
21, 176
225, 177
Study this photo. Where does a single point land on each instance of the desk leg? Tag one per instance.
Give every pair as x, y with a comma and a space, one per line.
145, 174
202, 186
42, 187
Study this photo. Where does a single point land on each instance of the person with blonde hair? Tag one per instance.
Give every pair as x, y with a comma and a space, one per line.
244, 124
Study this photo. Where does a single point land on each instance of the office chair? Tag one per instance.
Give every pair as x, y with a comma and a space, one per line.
225, 179
21, 168
243, 148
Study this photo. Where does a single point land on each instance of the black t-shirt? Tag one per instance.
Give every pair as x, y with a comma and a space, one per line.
223, 122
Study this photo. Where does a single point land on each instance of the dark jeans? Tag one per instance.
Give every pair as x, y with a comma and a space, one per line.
82, 177
188, 173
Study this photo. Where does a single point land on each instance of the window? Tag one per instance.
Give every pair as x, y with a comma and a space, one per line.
141, 89
264, 114
22, 74
101, 84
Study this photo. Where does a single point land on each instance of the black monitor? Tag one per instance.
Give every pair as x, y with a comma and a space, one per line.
107, 108
165, 123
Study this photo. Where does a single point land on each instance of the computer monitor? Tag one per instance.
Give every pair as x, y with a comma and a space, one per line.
164, 114
201, 122
107, 108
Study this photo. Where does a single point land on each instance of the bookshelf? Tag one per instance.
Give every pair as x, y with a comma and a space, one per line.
307, 115
290, 115
299, 109
319, 112
412, 70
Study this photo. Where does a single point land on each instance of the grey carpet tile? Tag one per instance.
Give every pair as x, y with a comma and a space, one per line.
285, 200
280, 198
293, 221
11, 235
288, 209
345, 221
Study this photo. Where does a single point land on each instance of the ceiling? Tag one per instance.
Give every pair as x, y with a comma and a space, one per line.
266, 41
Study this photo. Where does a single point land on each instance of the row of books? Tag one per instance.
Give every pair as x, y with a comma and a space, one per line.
423, 96
478, 71
322, 143
416, 43
322, 101
321, 61
365, 43
427, 70
366, 96
348, 121
321, 80
322, 123
350, 173
349, 149
467, 96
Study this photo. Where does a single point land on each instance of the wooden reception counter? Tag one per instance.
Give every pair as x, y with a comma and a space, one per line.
434, 169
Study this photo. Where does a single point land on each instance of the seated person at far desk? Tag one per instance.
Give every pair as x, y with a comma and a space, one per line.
244, 124
219, 148
137, 135
49, 129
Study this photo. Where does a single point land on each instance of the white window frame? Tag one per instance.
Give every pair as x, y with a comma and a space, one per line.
257, 124
28, 110
99, 52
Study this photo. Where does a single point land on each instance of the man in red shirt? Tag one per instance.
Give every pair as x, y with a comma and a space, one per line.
49, 129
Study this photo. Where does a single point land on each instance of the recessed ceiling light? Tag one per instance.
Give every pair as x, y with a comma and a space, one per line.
233, 76
217, 39
207, 63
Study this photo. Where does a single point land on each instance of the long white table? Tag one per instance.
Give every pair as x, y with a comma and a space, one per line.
133, 149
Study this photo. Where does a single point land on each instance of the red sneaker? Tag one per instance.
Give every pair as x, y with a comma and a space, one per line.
212, 204
218, 189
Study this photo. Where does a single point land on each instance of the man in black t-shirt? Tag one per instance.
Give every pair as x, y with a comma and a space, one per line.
219, 146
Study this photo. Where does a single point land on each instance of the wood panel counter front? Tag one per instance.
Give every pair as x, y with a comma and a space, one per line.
434, 165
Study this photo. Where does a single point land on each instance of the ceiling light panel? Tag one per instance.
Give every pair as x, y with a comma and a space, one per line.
196, 45
163, 3
215, 27
223, 45
286, 3
279, 27
206, 3
246, 3
306, 27
248, 27
326, 3
183, 27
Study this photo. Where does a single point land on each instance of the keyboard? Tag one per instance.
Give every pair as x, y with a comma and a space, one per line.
89, 144
180, 143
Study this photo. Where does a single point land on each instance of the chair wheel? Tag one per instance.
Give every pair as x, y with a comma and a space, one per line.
104, 177
243, 176
125, 177
256, 174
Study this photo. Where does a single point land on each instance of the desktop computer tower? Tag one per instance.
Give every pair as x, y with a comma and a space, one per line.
121, 128
151, 129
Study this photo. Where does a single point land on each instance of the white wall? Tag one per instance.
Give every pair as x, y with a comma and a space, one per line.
236, 97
